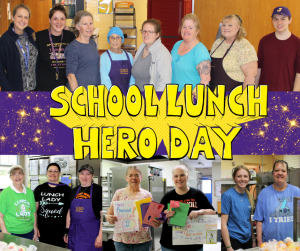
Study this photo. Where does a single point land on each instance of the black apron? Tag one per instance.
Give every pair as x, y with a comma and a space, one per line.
218, 74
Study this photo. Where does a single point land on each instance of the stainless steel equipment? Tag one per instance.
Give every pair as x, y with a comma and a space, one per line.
195, 180
26, 242
152, 181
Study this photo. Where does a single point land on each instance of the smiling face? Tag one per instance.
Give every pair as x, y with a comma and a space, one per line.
149, 38
57, 23
280, 174
21, 20
281, 23
53, 174
85, 26
230, 28
180, 177
115, 41
86, 178
189, 31
17, 177
134, 178
241, 178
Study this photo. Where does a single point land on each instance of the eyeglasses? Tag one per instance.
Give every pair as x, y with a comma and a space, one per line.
135, 175
16, 174
115, 38
147, 32
55, 171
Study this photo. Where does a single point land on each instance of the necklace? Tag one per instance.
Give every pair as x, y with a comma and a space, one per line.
83, 190
241, 195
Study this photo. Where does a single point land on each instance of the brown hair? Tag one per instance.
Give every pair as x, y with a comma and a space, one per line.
241, 33
57, 7
195, 20
236, 169
156, 23
135, 168
21, 6
78, 16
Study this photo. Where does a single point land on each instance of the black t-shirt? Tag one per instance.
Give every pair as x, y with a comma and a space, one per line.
84, 193
196, 199
46, 77
53, 204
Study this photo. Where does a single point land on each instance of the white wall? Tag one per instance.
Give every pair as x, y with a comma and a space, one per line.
216, 175
106, 165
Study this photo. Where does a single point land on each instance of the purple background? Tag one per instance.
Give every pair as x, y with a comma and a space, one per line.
20, 135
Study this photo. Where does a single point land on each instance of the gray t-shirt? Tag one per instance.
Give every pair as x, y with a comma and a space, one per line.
30, 83
82, 60
141, 70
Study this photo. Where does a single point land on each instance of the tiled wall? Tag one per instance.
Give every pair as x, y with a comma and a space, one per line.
103, 21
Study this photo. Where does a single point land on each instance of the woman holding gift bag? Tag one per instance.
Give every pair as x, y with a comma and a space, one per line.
137, 240
199, 205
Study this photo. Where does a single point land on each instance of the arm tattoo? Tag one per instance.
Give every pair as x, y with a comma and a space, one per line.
204, 67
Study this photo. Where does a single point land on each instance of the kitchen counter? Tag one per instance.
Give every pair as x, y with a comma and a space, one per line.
25, 242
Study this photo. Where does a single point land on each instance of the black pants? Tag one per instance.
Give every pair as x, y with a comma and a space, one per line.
52, 235
236, 244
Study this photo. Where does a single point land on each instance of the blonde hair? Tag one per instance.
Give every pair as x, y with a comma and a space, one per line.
78, 16
250, 197
21, 6
195, 20
186, 170
241, 33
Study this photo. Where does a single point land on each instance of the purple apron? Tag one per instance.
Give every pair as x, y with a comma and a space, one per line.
120, 72
84, 227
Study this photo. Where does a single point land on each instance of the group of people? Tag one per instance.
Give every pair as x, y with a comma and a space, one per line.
54, 57
273, 211
54, 213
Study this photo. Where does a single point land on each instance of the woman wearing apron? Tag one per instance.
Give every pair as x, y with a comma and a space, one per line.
116, 64
83, 227
233, 58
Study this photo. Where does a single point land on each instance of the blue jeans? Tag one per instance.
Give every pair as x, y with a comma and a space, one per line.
26, 236
167, 249
132, 247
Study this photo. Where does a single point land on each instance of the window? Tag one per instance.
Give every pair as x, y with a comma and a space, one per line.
206, 186
6, 161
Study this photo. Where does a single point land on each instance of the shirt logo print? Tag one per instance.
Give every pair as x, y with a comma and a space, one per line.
79, 209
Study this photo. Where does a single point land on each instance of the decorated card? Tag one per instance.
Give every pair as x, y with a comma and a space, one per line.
138, 206
153, 212
202, 230
127, 215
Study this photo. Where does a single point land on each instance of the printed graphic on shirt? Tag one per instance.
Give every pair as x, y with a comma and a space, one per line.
23, 209
191, 202
51, 205
282, 211
59, 56
83, 196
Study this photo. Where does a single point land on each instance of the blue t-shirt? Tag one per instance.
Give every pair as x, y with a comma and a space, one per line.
184, 67
275, 210
238, 209
105, 65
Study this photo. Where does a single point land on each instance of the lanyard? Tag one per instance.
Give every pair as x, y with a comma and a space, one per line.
53, 51
26, 57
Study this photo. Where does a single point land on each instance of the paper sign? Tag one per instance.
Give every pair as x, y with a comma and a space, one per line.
179, 218
202, 230
128, 219
153, 212
138, 206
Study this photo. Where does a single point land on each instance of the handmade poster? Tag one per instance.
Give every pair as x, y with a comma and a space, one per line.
138, 206
202, 230
128, 219
179, 218
153, 212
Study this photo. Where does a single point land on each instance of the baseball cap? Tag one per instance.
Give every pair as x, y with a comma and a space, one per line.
86, 167
281, 10
15, 167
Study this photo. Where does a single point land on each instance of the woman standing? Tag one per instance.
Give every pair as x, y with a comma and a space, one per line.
82, 57
199, 205
274, 208
152, 62
190, 58
18, 53
52, 205
237, 204
51, 44
139, 240
17, 207
84, 226
116, 64
234, 59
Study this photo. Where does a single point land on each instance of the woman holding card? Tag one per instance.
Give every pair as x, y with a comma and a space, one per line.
137, 240
83, 227
237, 204
199, 205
